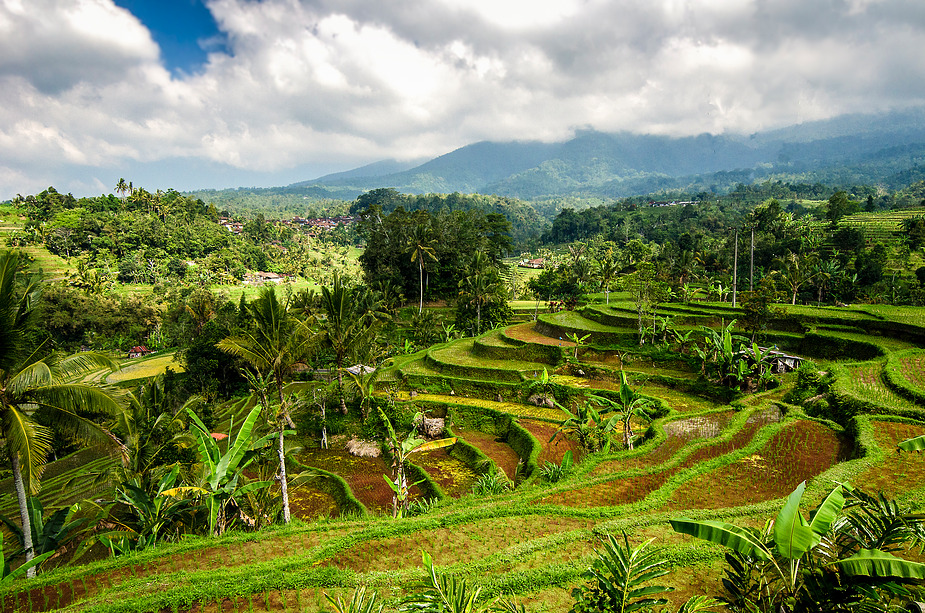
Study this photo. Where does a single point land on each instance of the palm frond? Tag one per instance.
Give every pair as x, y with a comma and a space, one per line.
84, 362
29, 440
37, 374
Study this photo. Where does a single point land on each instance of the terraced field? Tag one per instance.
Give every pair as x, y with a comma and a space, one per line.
704, 456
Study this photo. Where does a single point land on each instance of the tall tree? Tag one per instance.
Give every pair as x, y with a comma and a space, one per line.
607, 269
277, 342
796, 271
345, 330
421, 243
35, 386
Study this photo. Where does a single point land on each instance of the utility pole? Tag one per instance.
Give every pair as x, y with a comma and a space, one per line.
751, 267
735, 268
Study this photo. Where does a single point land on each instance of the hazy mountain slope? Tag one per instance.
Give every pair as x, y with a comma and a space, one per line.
845, 150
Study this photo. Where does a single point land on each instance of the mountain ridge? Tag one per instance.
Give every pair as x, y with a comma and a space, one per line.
861, 148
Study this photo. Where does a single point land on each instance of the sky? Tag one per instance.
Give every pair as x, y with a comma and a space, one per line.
191, 94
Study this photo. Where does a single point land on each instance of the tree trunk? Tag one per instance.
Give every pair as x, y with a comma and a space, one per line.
283, 483
23, 512
421, 270
478, 317
340, 390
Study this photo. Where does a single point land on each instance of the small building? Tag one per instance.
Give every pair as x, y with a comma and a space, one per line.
138, 351
262, 278
782, 362
535, 263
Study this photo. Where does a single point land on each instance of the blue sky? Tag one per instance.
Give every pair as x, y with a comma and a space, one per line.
195, 94
184, 30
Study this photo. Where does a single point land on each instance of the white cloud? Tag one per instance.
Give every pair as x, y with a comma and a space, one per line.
83, 92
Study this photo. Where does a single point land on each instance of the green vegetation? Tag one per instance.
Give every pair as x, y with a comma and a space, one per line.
542, 462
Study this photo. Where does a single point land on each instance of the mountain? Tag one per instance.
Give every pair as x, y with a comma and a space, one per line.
848, 150
376, 169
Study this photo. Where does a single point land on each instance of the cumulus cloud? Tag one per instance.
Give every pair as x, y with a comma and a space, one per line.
83, 92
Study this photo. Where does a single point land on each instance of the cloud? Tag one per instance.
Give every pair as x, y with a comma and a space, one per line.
322, 83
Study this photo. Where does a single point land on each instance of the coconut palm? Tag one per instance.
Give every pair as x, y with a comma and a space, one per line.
277, 343
421, 244
33, 385
345, 331
479, 286
122, 187
607, 269
796, 271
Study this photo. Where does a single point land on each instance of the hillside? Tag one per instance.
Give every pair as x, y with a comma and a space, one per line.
844, 151
702, 457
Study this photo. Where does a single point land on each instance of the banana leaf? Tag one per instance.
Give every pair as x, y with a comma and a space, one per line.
721, 533
876, 563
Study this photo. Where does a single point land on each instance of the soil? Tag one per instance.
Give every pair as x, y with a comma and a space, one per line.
800, 451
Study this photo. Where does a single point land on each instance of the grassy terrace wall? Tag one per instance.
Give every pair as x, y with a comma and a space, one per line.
560, 325
457, 359
850, 396
904, 372
834, 347
497, 346
335, 485
500, 424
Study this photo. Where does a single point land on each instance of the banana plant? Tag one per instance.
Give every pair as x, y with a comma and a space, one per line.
760, 367
221, 472
8, 575
51, 532
722, 353
578, 340
588, 426
400, 450
630, 405
800, 551
155, 514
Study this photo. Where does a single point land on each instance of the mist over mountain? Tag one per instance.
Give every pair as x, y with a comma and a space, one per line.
856, 149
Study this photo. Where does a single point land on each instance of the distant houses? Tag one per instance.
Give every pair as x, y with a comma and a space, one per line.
139, 351
535, 263
314, 227
262, 278
671, 203
322, 224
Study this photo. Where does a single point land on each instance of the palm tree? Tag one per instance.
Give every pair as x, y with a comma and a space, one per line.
795, 271
122, 187
479, 286
826, 271
33, 385
420, 244
607, 269
278, 342
344, 330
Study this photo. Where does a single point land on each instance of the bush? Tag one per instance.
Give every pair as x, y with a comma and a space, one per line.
553, 472
490, 484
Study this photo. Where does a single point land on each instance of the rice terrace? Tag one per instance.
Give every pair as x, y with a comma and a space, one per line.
214, 411
708, 453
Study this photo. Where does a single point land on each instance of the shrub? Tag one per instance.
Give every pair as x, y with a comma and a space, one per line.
490, 484
553, 472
